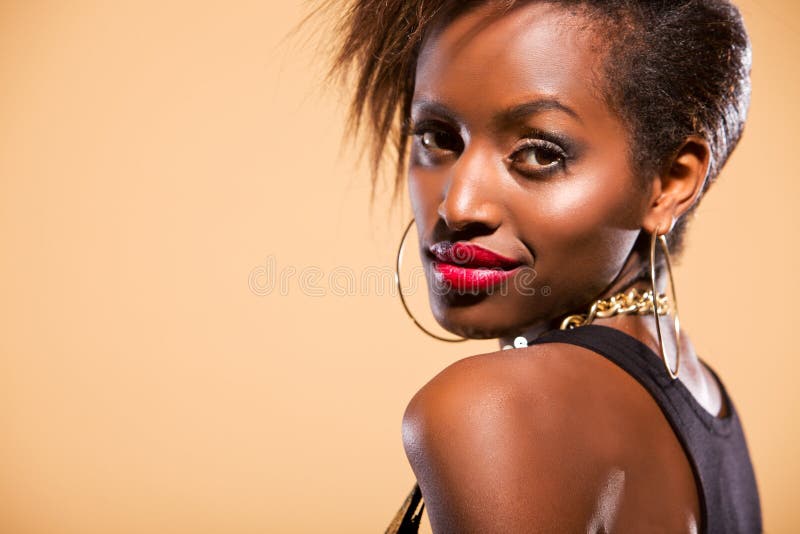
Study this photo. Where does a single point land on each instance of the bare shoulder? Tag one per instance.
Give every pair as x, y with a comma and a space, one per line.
552, 437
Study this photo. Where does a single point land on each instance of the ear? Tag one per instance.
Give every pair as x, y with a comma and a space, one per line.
678, 186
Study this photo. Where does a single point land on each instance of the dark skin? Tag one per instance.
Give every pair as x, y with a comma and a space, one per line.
553, 437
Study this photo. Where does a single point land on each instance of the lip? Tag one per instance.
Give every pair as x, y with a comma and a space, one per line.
471, 280
471, 256
471, 268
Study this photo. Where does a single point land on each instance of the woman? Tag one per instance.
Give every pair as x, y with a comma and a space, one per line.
554, 152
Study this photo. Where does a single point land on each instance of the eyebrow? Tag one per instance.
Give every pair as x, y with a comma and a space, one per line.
516, 113
432, 107
503, 119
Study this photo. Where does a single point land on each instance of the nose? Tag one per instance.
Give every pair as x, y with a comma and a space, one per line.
472, 191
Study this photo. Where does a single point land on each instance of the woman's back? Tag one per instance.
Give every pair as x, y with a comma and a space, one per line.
610, 439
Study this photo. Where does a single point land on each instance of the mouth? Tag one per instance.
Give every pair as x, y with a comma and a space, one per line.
470, 268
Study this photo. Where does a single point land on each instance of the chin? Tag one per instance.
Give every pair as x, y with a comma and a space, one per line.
474, 317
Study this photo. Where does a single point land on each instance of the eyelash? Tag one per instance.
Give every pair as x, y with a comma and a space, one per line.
559, 160
534, 139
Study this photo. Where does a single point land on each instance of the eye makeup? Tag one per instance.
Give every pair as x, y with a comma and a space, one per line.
437, 140
557, 150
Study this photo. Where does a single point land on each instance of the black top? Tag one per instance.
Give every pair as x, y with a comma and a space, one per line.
715, 446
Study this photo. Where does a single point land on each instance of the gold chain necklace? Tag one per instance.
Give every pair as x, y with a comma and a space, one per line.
631, 302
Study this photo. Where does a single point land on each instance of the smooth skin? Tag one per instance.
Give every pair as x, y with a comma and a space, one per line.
553, 437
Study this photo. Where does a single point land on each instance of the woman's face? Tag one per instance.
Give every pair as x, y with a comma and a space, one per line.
517, 158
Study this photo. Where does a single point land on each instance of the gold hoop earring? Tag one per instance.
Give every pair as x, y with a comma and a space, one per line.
400, 291
676, 323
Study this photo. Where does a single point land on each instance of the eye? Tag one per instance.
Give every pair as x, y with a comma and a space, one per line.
541, 156
538, 156
438, 140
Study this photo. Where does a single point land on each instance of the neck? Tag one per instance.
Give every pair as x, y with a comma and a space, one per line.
641, 327
627, 279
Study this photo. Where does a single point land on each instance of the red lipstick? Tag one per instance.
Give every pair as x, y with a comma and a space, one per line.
471, 268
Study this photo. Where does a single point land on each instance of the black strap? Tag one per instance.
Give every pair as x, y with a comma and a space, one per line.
408, 517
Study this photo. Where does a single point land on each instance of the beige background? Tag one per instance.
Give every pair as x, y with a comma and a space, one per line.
158, 160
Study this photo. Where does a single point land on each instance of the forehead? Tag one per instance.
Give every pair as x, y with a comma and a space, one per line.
487, 59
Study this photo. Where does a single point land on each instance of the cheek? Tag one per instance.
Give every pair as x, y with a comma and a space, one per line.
425, 194
585, 205
583, 228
